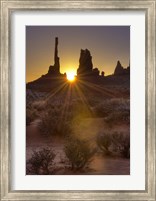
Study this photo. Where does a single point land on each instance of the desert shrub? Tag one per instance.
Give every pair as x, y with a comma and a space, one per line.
104, 141
118, 117
41, 161
31, 115
58, 118
102, 110
114, 142
121, 142
54, 122
39, 105
107, 107
78, 153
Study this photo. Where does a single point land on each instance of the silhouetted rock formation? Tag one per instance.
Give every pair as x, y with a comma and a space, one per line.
119, 70
55, 69
128, 68
53, 78
86, 69
96, 72
102, 73
85, 63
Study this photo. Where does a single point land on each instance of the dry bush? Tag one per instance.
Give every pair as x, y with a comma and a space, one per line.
107, 107
78, 153
104, 142
118, 117
121, 142
40, 162
114, 142
58, 119
39, 105
54, 122
31, 115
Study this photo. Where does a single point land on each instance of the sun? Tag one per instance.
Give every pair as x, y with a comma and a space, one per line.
71, 76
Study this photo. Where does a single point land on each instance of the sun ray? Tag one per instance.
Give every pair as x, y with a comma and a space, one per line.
99, 89
66, 102
53, 93
84, 99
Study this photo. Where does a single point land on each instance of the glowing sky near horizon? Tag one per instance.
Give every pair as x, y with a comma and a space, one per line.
107, 44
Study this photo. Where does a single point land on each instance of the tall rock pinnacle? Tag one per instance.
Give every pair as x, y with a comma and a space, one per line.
56, 58
55, 69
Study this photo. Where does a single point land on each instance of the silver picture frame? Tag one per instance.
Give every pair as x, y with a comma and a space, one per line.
9, 6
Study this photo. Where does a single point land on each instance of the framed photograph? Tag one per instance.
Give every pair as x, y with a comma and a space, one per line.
78, 100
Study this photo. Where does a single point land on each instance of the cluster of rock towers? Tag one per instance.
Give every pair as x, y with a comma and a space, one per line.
85, 68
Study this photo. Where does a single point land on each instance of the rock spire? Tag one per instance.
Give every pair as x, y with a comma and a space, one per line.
85, 63
55, 69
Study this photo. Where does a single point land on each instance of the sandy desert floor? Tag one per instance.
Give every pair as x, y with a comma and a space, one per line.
100, 165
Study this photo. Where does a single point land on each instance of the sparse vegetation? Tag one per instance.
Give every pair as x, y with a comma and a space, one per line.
115, 142
121, 142
78, 153
115, 105
65, 121
104, 141
41, 162
55, 122
39, 105
31, 115
118, 117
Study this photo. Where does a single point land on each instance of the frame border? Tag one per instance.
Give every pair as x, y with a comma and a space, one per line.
9, 6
